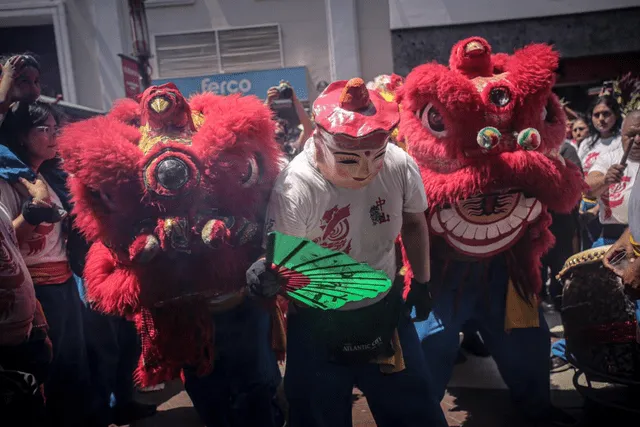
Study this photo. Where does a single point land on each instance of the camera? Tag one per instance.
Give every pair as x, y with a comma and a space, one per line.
285, 91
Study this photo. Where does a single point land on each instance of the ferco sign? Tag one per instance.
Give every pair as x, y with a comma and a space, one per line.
249, 83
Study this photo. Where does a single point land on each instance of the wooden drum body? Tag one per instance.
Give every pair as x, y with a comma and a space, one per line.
598, 317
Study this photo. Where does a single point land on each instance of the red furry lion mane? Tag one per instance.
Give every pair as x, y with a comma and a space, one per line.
444, 113
153, 245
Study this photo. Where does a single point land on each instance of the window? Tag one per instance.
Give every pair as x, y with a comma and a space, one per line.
189, 54
218, 51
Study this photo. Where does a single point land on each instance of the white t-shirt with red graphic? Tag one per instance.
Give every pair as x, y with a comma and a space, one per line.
363, 223
17, 295
589, 156
614, 202
47, 242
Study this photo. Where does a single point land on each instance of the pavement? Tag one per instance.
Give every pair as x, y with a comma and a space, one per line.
476, 397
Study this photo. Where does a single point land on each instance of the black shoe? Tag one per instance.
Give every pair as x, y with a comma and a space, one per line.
548, 307
132, 411
558, 417
556, 364
474, 345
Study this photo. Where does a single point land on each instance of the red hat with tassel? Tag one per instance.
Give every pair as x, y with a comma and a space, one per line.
347, 109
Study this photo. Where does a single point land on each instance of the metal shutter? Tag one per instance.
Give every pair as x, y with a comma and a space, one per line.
187, 55
251, 48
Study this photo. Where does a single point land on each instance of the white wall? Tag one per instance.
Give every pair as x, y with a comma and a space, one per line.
428, 13
302, 22
97, 36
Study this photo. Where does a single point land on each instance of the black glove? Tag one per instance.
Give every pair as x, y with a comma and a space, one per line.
419, 297
35, 214
262, 281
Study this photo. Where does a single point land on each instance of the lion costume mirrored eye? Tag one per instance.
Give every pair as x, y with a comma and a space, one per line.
432, 120
252, 175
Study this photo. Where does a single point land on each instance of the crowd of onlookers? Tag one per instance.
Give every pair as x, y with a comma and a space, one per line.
602, 144
54, 347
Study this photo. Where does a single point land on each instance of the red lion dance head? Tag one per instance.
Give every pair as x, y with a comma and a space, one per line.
485, 132
171, 193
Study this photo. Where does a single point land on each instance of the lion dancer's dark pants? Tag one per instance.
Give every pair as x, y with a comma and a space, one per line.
319, 392
241, 390
477, 291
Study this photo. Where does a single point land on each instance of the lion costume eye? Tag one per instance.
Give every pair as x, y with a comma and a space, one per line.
432, 120
252, 175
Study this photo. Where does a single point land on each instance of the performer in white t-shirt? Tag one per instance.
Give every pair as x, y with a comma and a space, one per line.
351, 191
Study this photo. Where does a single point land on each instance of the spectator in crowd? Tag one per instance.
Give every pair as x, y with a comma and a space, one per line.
604, 135
579, 131
628, 242
292, 142
25, 349
565, 228
610, 183
19, 81
37, 209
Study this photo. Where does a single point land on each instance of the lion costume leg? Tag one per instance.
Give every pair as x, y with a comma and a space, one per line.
477, 291
241, 390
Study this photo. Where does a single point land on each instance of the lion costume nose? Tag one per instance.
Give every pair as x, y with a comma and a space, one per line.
160, 104
172, 173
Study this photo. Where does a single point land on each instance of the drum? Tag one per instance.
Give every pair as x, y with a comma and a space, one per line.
599, 319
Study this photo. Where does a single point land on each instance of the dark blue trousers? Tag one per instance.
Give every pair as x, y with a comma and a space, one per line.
68, 388
240, 392
476, 291
319, 392
113, 351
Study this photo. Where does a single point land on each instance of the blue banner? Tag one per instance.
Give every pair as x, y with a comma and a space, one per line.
249, 83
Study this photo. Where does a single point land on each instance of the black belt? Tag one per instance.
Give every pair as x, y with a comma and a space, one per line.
612, 231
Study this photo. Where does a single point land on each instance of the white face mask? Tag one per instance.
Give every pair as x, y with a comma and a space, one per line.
346, 167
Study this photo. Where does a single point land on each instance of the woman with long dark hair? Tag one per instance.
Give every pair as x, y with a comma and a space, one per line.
604, 121
38, 217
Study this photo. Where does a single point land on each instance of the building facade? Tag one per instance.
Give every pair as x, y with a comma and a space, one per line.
597, 40
246, 46
224, 46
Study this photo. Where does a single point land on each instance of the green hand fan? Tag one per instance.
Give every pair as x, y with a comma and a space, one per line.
319, 277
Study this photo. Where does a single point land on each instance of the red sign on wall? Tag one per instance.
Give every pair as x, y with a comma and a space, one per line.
132, 86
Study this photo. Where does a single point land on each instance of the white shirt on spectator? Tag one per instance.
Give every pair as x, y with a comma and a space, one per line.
363, 223
614, 202
589, 156
47, 242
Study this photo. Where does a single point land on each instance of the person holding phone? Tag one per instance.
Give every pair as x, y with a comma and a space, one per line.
19, 81
284, 135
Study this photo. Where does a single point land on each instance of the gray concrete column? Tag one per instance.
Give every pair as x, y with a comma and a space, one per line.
342, 29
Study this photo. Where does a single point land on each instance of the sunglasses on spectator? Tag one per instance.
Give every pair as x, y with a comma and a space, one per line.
49, 130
